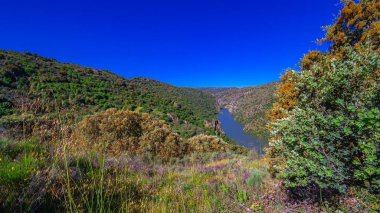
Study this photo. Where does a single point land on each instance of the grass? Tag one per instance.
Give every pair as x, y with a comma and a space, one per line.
213, 182
19, 162
96, 183
39, 178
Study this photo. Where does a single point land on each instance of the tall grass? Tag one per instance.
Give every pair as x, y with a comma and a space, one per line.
207, 182
132, 184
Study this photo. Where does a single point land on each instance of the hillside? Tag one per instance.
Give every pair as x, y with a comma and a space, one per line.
248, 105
77, 139
39, 86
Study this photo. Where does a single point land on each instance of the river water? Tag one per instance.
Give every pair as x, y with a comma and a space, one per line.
235, 132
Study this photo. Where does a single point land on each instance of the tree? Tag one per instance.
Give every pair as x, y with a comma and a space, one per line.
326, 122
356, 24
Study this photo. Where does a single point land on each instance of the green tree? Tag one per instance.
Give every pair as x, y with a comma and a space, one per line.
328, 140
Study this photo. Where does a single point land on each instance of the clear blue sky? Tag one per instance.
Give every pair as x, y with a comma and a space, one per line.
182, 42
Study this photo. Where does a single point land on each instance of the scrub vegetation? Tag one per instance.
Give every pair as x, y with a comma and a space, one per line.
326, 122
36, 88
76, 139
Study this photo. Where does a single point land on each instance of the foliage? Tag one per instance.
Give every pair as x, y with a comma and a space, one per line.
5, 108
357, 22
287, 97
199, 182
40, 86
331, 138
326, 121
206, 143
115, 132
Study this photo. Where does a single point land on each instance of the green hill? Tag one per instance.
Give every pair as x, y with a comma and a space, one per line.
76, 139
61, 124
30, 84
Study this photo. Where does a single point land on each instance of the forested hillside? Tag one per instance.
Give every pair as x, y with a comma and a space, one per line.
249, 105
77, 139
74, 138
34, 87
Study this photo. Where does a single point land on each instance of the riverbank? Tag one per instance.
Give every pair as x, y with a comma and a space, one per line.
235, 132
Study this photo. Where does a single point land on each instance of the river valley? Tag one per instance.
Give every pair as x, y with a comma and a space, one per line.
235, 131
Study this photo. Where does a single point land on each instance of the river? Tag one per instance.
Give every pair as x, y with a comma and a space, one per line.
235, 132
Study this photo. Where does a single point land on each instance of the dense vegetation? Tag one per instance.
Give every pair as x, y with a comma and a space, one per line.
249, 106
116, 132
75, 139
326, 122
64, 128
35, 86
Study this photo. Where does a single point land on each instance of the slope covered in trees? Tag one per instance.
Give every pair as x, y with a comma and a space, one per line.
36, 87
249, 105
78, 139
75, 139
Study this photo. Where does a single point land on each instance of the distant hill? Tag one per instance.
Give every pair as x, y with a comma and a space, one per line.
249, 105
214, 90
38, 86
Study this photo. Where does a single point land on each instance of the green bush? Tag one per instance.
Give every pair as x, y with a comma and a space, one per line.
5, 108
331, 140
206, 143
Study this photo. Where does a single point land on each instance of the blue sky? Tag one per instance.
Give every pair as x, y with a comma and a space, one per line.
193, 43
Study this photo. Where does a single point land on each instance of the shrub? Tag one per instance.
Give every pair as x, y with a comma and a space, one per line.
206, 143
330, 139
327, 140
5, 108
115, 132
